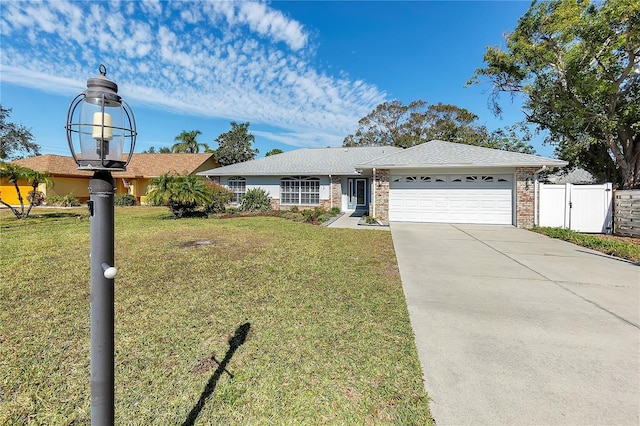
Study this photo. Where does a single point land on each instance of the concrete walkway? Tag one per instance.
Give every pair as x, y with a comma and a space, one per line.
513, 327
351, 219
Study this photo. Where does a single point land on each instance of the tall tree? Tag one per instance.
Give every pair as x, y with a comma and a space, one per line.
234, 146
16, 141
513, 138
274, 151
186, 142
395, 124
390, 123
161, 150
576, 65
453, 124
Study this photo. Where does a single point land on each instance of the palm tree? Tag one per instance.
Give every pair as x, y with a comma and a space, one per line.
159, 190
183, 194
186, 143
14, 173
187, 194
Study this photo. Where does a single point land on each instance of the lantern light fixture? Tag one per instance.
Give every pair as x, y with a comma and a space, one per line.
99, 122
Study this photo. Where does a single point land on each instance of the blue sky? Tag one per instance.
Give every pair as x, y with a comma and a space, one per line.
301, 72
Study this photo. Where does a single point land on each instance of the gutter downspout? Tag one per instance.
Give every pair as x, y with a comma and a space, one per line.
536, 186
373, 195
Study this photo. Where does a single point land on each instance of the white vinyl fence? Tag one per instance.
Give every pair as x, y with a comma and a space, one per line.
582, 208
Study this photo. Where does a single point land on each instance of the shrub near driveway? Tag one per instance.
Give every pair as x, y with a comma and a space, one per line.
328, 339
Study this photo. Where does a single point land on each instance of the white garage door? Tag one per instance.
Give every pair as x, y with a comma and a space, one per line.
469, 198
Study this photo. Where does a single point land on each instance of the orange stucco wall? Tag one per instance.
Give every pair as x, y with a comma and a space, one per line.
78, 187
9, 195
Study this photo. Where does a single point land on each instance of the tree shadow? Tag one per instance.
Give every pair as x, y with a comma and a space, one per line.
234, 343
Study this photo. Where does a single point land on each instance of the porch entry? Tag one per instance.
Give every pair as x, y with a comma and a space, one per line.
357, 195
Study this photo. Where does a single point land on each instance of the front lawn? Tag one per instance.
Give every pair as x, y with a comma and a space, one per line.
250, 321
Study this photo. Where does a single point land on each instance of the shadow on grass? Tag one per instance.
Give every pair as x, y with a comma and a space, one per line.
57, 215
234, 343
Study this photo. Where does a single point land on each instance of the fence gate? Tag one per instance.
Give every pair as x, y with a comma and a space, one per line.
582, 208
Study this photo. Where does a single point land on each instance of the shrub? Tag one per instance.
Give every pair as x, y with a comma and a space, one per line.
293, 209
63, 200
220, 197
334, 211
125, 200
370, 220
255, 200
36, 198
312, 215
184, 194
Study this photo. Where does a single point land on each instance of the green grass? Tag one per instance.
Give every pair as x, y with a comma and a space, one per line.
601, 243
328, 339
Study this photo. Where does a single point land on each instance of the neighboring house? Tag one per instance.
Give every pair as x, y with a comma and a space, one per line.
576, 176
67, 179
432, 182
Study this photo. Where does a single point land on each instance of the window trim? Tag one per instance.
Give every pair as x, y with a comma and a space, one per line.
295, 189
231, 186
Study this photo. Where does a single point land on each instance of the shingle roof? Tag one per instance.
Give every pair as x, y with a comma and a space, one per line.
438, 153
305, 161
575, 176
141, 165
345, 161
53, 165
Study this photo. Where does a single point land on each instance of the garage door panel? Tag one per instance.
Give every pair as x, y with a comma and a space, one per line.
451, 202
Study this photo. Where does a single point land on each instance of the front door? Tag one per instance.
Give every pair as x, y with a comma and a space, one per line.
357, 194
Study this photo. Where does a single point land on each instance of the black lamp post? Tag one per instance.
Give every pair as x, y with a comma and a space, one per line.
98, 124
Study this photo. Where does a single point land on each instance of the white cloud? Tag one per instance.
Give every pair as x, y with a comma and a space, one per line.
272, 23
151, 7
239, 61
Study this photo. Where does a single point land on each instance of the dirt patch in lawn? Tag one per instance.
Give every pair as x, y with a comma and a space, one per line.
197, 244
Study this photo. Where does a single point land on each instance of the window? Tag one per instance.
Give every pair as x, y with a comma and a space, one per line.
238, 186
300, 190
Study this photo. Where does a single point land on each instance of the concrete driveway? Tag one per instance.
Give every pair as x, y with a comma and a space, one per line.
513, 327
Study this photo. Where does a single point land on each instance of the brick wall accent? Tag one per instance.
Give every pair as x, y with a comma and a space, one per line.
525, 196
380, 184
275, 205
336, 192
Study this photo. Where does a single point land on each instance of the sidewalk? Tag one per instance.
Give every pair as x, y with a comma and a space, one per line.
350, 219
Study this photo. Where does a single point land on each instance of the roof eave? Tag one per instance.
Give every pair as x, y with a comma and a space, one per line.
213, 172
556, 163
